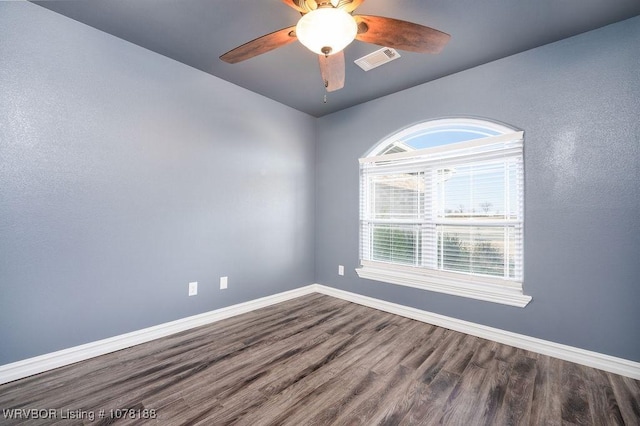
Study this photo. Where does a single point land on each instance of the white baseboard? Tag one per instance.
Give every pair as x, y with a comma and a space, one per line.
39, 364
568, 353
42, 363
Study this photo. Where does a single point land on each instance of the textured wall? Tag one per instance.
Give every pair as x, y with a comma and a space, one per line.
125, 175
578, 102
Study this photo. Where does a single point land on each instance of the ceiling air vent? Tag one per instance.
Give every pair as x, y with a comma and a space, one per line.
377, 58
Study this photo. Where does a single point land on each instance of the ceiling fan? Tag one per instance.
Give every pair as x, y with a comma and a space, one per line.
328, 26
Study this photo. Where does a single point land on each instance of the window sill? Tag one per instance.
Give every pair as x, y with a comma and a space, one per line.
490, 290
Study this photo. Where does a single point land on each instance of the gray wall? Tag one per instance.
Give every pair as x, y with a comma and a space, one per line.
578, 102
125, 175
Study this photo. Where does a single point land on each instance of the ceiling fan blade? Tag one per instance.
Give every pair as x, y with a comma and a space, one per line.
352, 5
332, 71
399, 34
261, 45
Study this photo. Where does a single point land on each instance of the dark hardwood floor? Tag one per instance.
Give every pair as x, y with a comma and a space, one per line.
317, 360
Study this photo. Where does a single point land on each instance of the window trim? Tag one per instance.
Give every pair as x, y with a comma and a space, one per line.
507, 137
492, 289
440, 124
489, 289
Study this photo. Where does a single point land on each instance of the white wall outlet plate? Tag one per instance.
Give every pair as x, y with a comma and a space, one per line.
340, 270
193, 288
223, 282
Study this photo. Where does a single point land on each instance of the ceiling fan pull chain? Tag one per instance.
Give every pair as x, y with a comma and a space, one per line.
326, 85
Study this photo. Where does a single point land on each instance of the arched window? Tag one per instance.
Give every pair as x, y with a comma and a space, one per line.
441, 208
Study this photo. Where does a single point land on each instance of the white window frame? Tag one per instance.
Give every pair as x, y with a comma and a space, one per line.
481, 287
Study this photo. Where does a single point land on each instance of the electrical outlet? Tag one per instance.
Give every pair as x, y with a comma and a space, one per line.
193, 288
223, 282
340, 270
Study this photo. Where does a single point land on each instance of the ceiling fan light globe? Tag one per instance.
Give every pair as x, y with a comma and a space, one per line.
326, 29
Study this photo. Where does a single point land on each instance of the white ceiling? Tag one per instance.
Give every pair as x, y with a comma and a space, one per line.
197, 32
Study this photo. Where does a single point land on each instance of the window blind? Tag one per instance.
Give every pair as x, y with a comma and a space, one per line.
455, 208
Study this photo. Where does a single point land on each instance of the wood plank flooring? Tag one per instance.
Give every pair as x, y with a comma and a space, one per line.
317, 360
